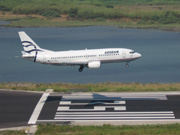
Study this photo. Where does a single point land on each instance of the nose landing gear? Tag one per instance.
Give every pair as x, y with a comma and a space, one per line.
127, 65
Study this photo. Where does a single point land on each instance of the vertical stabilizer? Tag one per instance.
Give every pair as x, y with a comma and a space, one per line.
31, 49
28, 44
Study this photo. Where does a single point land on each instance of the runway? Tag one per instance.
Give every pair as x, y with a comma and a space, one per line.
26, 108
110, 108
16, 107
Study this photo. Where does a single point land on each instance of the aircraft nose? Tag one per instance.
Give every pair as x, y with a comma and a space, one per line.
138, 55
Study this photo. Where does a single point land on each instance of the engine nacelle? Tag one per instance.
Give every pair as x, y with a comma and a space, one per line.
94, 64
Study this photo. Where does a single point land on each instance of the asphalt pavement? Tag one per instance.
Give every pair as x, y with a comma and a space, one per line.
16, 107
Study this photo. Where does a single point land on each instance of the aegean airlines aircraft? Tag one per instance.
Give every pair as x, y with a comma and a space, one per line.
90, 58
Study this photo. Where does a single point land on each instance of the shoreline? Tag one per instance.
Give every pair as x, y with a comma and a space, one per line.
24, 23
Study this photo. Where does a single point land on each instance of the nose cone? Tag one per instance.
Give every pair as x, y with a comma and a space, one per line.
138, 55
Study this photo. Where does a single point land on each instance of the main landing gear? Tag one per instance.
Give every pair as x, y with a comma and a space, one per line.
81, 68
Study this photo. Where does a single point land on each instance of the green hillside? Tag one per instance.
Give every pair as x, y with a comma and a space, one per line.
9, 5
123, 12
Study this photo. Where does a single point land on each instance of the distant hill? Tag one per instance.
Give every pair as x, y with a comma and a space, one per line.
135, 11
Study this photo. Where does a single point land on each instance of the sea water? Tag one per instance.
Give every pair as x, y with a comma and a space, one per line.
160, 62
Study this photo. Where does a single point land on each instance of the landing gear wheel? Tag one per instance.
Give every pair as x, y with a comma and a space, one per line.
81, 68
127, 65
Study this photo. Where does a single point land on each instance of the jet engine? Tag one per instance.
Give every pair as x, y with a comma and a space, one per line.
94, 64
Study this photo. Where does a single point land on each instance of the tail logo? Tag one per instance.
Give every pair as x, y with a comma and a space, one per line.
30, 47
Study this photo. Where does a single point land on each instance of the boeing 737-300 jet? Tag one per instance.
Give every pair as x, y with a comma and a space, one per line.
90, 58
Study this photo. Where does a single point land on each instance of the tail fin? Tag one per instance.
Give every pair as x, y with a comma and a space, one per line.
28, 44
31, 49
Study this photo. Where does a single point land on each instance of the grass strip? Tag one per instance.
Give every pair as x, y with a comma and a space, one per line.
12, 132
51, 129
93, 87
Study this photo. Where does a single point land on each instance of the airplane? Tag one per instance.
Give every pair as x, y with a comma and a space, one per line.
90, 58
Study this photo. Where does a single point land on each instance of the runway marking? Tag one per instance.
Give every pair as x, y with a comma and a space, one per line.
119, 108
117, 116
115, 97
91, 103
65, 102
63, 108
111, 113
99, 108
124, 115
107, 108
119, 102
110, 118
138, 120
87, 109
38, 109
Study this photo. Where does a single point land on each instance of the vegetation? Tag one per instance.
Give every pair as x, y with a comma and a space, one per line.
50, 129
12, 133
99, 87
131, 12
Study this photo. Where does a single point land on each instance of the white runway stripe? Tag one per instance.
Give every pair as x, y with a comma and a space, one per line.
110, 118
91, 103
158, 112
63, 108
65, 103
114, 115
117, 120
96, 108
119, 102
38, 109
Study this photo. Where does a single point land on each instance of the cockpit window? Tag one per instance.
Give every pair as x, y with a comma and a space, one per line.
132, 52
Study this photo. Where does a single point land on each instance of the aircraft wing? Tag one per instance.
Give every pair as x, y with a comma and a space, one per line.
77, 63
73, 63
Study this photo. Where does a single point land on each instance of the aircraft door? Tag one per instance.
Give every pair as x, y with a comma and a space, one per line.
123, 54
44, 58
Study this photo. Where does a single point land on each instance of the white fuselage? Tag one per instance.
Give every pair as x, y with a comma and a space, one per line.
83, 57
